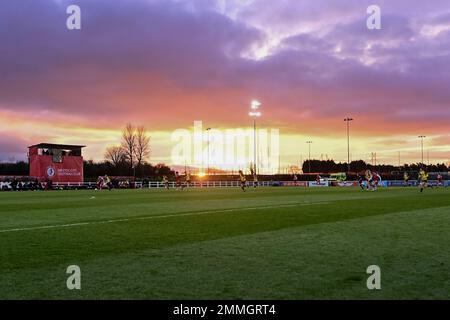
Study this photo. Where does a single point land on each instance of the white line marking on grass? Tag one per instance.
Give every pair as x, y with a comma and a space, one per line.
161, 216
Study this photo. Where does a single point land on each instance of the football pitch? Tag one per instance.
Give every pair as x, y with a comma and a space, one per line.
268, 243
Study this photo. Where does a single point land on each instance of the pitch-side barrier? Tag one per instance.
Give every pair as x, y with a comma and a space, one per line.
159, 184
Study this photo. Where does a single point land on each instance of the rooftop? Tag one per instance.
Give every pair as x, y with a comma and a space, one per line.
57, 146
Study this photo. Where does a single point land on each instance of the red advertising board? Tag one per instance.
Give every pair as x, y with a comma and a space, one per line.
70, 169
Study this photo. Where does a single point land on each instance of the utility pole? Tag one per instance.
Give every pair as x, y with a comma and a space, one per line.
301, 161
208, 130
254, 113
309, 158
422, 137
348, 120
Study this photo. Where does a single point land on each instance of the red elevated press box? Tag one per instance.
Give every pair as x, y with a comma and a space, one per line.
56, 162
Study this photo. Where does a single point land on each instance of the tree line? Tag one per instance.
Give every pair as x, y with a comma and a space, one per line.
329, 166
94, 169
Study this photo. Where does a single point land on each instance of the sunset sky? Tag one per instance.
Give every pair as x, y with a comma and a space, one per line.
167, 63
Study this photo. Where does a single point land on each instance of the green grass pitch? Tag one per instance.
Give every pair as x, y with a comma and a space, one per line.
268, 243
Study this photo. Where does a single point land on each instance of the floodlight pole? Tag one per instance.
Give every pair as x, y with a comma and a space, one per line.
254, 146
309, 156
348, 120
254, 113
422, 137
208, 130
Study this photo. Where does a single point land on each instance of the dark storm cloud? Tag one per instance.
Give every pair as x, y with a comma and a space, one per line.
123, 53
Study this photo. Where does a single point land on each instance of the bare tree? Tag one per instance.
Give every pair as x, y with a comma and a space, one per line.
129, 140
115, 155
142, 149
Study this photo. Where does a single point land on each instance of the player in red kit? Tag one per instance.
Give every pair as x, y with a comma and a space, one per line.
376, 179
318, 179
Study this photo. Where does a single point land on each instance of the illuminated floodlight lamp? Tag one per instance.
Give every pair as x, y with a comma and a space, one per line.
255, 104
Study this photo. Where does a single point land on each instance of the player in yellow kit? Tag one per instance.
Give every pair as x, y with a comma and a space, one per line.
406, 179
107, 182
423, 179
165, 181
243, 180
255, 180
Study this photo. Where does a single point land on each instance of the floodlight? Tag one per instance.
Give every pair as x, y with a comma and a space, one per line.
255, 104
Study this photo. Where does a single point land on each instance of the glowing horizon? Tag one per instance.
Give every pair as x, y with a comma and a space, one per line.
165, 64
